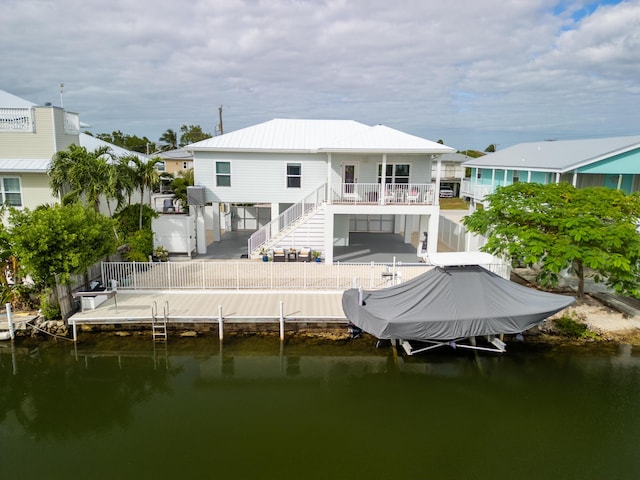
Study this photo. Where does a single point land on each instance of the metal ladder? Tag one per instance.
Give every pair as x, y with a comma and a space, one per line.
159, 327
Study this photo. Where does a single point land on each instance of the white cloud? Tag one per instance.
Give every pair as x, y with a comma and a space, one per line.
463, 71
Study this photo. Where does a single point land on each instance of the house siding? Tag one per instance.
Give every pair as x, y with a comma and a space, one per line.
36, 190
626, 163
259, 177
42, 143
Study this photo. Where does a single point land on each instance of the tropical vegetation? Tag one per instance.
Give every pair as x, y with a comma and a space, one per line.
558, 227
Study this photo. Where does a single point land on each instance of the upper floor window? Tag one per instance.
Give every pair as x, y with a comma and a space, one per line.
11, 191
395, 173
294, 175
223, 174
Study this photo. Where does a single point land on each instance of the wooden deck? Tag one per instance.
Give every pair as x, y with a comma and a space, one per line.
203, 306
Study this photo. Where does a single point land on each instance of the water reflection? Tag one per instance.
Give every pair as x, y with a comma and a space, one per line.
256, 408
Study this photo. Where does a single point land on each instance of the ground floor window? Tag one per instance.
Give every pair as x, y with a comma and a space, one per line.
223, 174
11, 191
395, 173
294, 175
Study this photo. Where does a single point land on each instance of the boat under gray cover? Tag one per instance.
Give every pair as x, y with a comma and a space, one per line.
449, 303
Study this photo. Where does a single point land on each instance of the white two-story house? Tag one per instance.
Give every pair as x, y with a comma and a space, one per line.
322, 179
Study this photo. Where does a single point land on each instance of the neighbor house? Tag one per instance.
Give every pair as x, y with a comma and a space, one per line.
452, 171
610, 162
315, 181
175, 161
30, 135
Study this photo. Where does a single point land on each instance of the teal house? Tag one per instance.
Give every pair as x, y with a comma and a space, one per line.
610, 162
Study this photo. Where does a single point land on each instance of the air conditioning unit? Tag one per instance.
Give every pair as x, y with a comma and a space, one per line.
196, 196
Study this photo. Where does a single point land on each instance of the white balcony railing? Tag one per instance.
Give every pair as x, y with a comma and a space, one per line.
71, 123
389, 194
17, 120
474, 190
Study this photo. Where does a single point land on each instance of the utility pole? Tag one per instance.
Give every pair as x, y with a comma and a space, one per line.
220, 124
61, 92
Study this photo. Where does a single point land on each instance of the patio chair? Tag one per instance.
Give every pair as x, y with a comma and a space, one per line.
413, 196
304, 255
278, 255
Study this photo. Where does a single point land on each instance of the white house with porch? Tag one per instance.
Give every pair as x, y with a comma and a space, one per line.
319, 180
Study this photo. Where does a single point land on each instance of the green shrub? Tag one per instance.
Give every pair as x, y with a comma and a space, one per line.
140, 246
570, 325
48, 308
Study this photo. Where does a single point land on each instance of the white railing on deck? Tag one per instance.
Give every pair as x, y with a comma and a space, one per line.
389, 194
17, 120
474, 190
262, 275
71, 123
287, 218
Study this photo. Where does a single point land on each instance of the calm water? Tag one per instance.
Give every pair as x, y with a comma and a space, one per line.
121, 408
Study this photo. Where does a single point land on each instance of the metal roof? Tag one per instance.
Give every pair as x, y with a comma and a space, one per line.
91, 143
24, 164
318, 135
557, 155
7, 100
176, 154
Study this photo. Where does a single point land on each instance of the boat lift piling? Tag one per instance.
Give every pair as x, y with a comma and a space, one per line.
12, 333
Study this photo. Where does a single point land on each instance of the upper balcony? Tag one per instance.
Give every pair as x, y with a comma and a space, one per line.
23, 120
378, 194
17, 120
475, 191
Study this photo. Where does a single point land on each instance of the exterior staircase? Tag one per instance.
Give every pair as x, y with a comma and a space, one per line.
301, 225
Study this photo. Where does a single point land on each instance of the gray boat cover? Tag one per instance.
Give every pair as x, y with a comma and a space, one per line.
449, 303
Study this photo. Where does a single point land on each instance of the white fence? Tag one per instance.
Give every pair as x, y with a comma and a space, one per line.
456, 237
203, 275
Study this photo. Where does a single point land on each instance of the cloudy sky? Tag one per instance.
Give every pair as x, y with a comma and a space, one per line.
469, 72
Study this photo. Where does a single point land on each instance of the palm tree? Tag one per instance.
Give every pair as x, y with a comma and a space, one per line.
180, 183
170, 137
76, 173
146, 176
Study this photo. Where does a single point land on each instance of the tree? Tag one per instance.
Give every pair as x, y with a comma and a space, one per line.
558, 226
192, 134
170, 137
180, 183
76, 173
146, 176
130, 142
60, 240
490, 149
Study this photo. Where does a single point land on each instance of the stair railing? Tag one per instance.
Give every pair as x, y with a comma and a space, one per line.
287, 218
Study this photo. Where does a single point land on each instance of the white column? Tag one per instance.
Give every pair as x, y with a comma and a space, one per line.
528, 176
329, 176
437, 187
575, 178
201, 231
328, 235
383, 185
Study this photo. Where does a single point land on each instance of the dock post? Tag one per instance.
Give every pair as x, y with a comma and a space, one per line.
281, 320
12, 332
220, 323
75, 332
